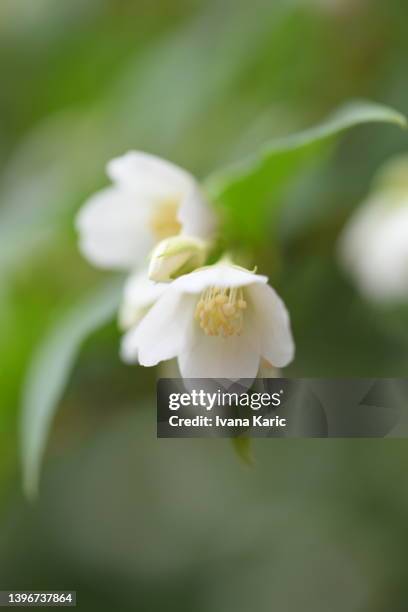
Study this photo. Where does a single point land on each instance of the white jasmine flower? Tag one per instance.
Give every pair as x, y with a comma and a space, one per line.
218, 321
150, 199
139, 294
175, 256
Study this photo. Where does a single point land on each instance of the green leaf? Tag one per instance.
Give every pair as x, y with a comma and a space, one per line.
245, 191
49, 372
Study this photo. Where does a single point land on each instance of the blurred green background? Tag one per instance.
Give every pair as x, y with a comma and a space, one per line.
136, 523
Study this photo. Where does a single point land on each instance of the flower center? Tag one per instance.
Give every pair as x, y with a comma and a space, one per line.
220, 311
163, 221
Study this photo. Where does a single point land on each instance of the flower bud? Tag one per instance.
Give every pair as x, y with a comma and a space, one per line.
175, 256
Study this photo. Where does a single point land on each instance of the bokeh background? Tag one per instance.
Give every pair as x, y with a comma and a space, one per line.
136, 523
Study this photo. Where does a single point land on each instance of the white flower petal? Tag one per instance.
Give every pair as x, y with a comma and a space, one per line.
219, 275
129, 347
196, 215
160, 334
149, 175
112, 229
271, 319
217, 357
139, 294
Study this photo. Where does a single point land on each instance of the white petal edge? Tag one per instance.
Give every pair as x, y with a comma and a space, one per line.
112, 228
218, 275
139, 294
271, 319
196, 215
160, 334
150, 176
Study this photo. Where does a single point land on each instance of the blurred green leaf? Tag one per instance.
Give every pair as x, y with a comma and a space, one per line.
49, 372
245, 191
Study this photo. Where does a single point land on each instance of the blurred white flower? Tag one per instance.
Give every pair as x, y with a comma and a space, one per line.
150, 199
218, 321
175, 256
139, 295
374, 243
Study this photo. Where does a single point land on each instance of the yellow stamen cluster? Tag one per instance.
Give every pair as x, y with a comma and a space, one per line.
163, 220
220, 311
